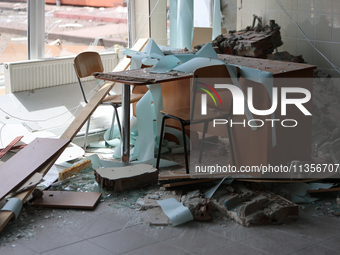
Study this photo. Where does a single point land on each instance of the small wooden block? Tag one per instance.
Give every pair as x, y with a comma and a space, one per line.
68, 199
73, 170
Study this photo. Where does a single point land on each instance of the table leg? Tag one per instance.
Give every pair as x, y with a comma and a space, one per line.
125, 135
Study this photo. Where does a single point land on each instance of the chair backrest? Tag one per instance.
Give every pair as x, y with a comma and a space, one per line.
88, 62
217, 71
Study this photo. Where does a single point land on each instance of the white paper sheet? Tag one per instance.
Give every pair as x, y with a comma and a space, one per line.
177, 213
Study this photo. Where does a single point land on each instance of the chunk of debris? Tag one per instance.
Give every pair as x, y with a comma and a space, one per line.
128, 177
150, 200
250, 42
199, 206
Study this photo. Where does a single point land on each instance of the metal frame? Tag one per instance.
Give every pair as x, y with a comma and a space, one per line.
36, 29
115, 106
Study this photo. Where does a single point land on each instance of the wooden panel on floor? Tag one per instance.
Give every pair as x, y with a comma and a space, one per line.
68, 199
176, 184
27, 161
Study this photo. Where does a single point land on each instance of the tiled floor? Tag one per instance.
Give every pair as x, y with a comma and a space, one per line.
108, 230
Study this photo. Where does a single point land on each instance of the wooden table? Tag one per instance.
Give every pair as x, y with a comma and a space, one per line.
137, 77
253, 148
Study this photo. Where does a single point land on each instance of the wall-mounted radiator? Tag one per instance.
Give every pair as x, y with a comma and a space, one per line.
44, 73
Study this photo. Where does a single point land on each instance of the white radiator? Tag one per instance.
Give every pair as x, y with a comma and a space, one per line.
44, 73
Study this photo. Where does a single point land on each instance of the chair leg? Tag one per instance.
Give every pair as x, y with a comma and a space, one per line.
185, 149
86, 133
118, 121
231, 144
115, 115
205, 127
160, 142
112, 124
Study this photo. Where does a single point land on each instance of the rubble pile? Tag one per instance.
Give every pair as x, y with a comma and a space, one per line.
254, 41
246, 203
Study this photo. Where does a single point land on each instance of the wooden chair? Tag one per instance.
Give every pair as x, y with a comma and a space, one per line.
186, 116
85, 64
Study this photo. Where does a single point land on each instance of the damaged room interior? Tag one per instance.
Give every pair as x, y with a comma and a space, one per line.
169, 127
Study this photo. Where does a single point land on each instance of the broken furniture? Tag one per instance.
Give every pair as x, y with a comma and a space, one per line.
72, 130
254, 148
136, 78
70, 133
186, 115
85, 64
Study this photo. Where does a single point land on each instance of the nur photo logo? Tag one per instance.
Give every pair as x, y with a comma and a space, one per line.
205, 87
244, 102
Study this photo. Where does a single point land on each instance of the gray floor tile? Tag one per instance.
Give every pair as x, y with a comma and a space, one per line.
157, 249
96, 226
18, 249
124, 219
277, 243
313, 229
237, 232
47, 239
198, 241
237, 249
83, 248
159, 233
333, 243
316, 250
123, 241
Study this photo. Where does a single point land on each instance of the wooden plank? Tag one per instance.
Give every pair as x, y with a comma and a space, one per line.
73, 170
323, 190
10, 146
6, 216
68, 199
27, 161
176, 184
276, 180
164, 177
125, 62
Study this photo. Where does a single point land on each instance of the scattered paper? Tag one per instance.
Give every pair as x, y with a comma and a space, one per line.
177, 213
